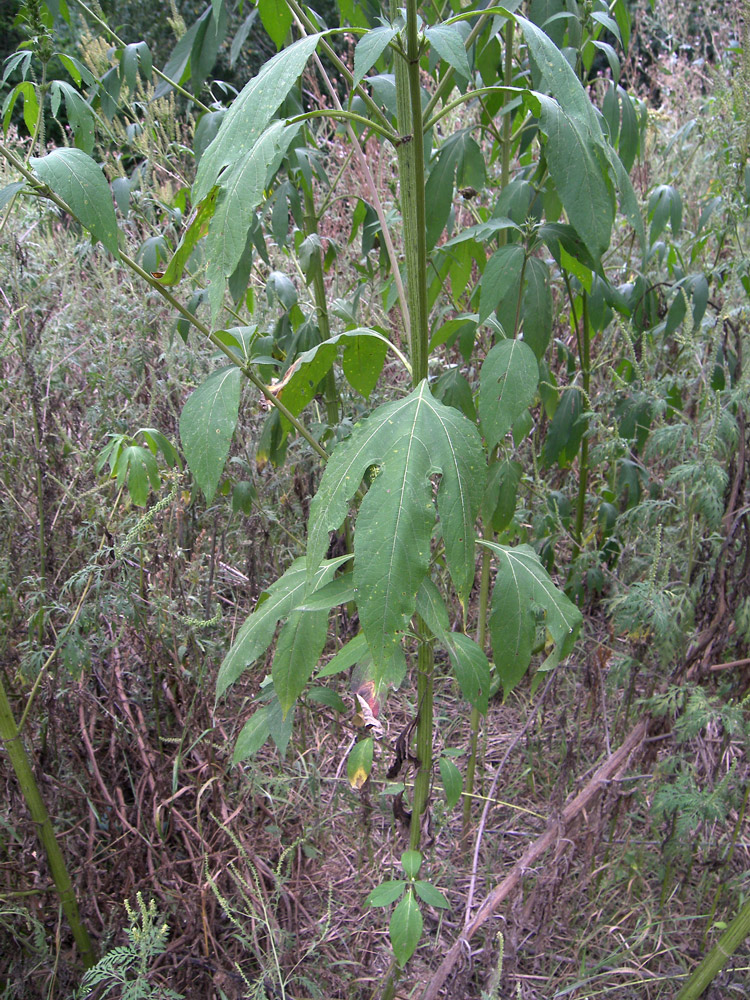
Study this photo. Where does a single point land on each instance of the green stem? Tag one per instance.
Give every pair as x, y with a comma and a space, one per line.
423, 780
11, 738
412, 190
583, 465
718, 957
332, 398
727, 862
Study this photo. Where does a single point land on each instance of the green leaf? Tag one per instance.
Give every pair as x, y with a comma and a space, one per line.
346, 657
197, 228
536, 308
298, 650
408, 440
138, 467
501, 496
244, 496
386, 893
241, 191
411, 862
251, 111
566, 429
439, 190
521, 586
359, 763
469, 661
252, 736
507, 386
277, 20
429, 894
369, 49
364, 356
338, 591
75, 178
452, 782
500, 274
27, 91
405, 928
9, 191
578, 165
177, 64
207, 425
448, 42
470, 667
453, 389
279, 600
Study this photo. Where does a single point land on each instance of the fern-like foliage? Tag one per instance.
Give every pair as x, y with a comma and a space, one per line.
125, 971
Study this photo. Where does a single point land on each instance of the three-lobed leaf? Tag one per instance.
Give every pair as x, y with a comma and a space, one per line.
407, 442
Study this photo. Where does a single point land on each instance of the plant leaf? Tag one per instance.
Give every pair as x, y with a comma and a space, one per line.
241, 191
251, 111
364, 356
207, 425
508, 383
429, 894
501, 273
369, 49
279, 600
448, 42
359, 764
298, 650
386, 893
75, 178
452, 781
253, 735
405, 928
521, 585
408, 440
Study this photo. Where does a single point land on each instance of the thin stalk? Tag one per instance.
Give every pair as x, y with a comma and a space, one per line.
583, 463
11, 738
412, 192
423, 780
331, 397
484, 580
507, 124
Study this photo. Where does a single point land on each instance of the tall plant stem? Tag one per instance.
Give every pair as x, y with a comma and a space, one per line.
412, 188
484, 592
584, 352
11, 737
332, 400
